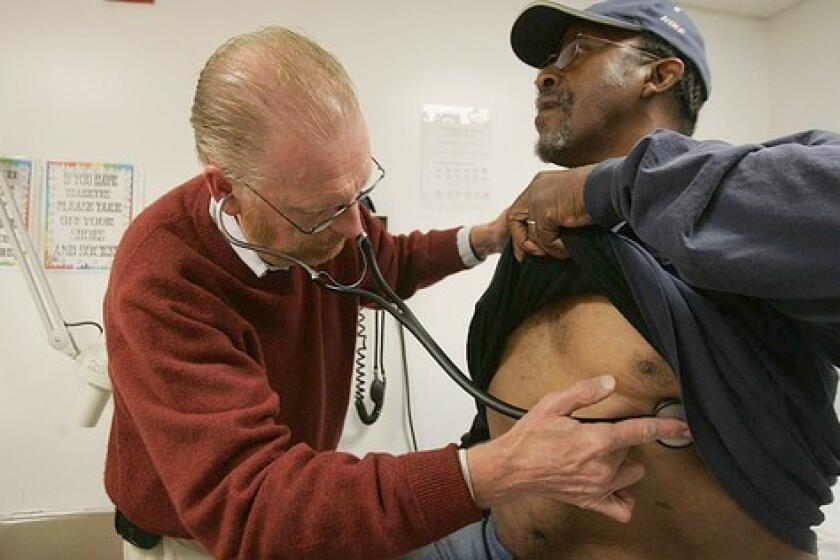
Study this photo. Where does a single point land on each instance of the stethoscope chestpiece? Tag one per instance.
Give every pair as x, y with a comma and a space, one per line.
672, 408
666, 408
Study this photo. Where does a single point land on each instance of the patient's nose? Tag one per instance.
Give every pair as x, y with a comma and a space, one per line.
546, 79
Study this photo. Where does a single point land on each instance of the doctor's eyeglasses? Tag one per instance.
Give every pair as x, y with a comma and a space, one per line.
582, 44
322, 223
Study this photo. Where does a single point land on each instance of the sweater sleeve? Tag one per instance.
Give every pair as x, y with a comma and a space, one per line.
414, 261
239, 481
759, 219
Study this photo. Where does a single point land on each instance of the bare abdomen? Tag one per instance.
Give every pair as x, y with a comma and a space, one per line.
681, 511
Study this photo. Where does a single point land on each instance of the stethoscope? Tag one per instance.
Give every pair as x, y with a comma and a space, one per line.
397, 308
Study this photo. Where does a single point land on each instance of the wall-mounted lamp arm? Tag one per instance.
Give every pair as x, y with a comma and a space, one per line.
58, 335
92, 362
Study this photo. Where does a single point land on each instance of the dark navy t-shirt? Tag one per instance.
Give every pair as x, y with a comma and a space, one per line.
757, 389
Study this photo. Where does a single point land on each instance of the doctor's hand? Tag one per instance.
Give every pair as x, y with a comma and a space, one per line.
490, 238
552, 200
551, 455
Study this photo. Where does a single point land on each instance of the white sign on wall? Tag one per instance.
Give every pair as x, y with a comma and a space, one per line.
456, 156
88, 207
18, 175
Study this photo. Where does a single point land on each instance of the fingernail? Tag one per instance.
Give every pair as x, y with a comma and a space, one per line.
607, 382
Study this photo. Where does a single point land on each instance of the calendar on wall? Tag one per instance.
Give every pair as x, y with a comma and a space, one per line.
456, 144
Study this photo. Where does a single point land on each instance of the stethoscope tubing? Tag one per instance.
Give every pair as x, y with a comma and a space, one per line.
397, 308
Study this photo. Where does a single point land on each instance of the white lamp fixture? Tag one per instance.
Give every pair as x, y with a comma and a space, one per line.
92, 361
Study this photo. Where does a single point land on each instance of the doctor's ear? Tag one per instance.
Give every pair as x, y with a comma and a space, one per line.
219, 187
662, 76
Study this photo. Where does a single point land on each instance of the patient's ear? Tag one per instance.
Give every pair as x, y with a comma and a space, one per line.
220, 187
663, 76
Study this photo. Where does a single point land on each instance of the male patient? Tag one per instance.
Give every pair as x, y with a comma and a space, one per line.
762, 461
545, 324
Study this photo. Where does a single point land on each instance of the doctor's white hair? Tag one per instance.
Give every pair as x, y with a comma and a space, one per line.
271, 81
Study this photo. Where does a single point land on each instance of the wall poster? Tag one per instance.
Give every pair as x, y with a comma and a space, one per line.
87, 208
18, 173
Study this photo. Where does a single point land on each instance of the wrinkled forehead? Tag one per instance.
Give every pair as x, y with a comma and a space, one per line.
296, 158
305, 171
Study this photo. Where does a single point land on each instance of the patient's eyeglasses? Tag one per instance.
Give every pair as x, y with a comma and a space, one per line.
666, 408
319, 226
582, 44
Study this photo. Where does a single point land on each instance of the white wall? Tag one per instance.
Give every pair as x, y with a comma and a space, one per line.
805, 59
94, 80
738, 110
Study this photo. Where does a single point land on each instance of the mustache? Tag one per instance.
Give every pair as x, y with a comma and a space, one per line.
552, 100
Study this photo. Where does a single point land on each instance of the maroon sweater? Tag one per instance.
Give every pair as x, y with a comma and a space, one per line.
230, 393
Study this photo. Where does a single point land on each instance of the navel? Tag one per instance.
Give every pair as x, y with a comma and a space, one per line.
538, 535
663, 505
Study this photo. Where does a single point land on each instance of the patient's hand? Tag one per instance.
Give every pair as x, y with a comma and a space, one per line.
550, 455
553, 200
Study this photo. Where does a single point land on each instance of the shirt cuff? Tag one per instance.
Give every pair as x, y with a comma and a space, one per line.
598, 192
465, 249
465, 470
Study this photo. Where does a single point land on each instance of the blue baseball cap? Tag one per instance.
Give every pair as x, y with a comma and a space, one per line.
539, 28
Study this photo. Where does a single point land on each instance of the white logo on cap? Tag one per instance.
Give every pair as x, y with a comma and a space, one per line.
677, 9
673, 24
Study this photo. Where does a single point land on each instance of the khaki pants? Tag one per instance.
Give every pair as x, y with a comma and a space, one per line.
169, 548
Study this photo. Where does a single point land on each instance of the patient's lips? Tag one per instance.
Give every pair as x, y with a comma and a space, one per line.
548, 103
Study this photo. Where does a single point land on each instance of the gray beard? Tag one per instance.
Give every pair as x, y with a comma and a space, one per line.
551, 144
